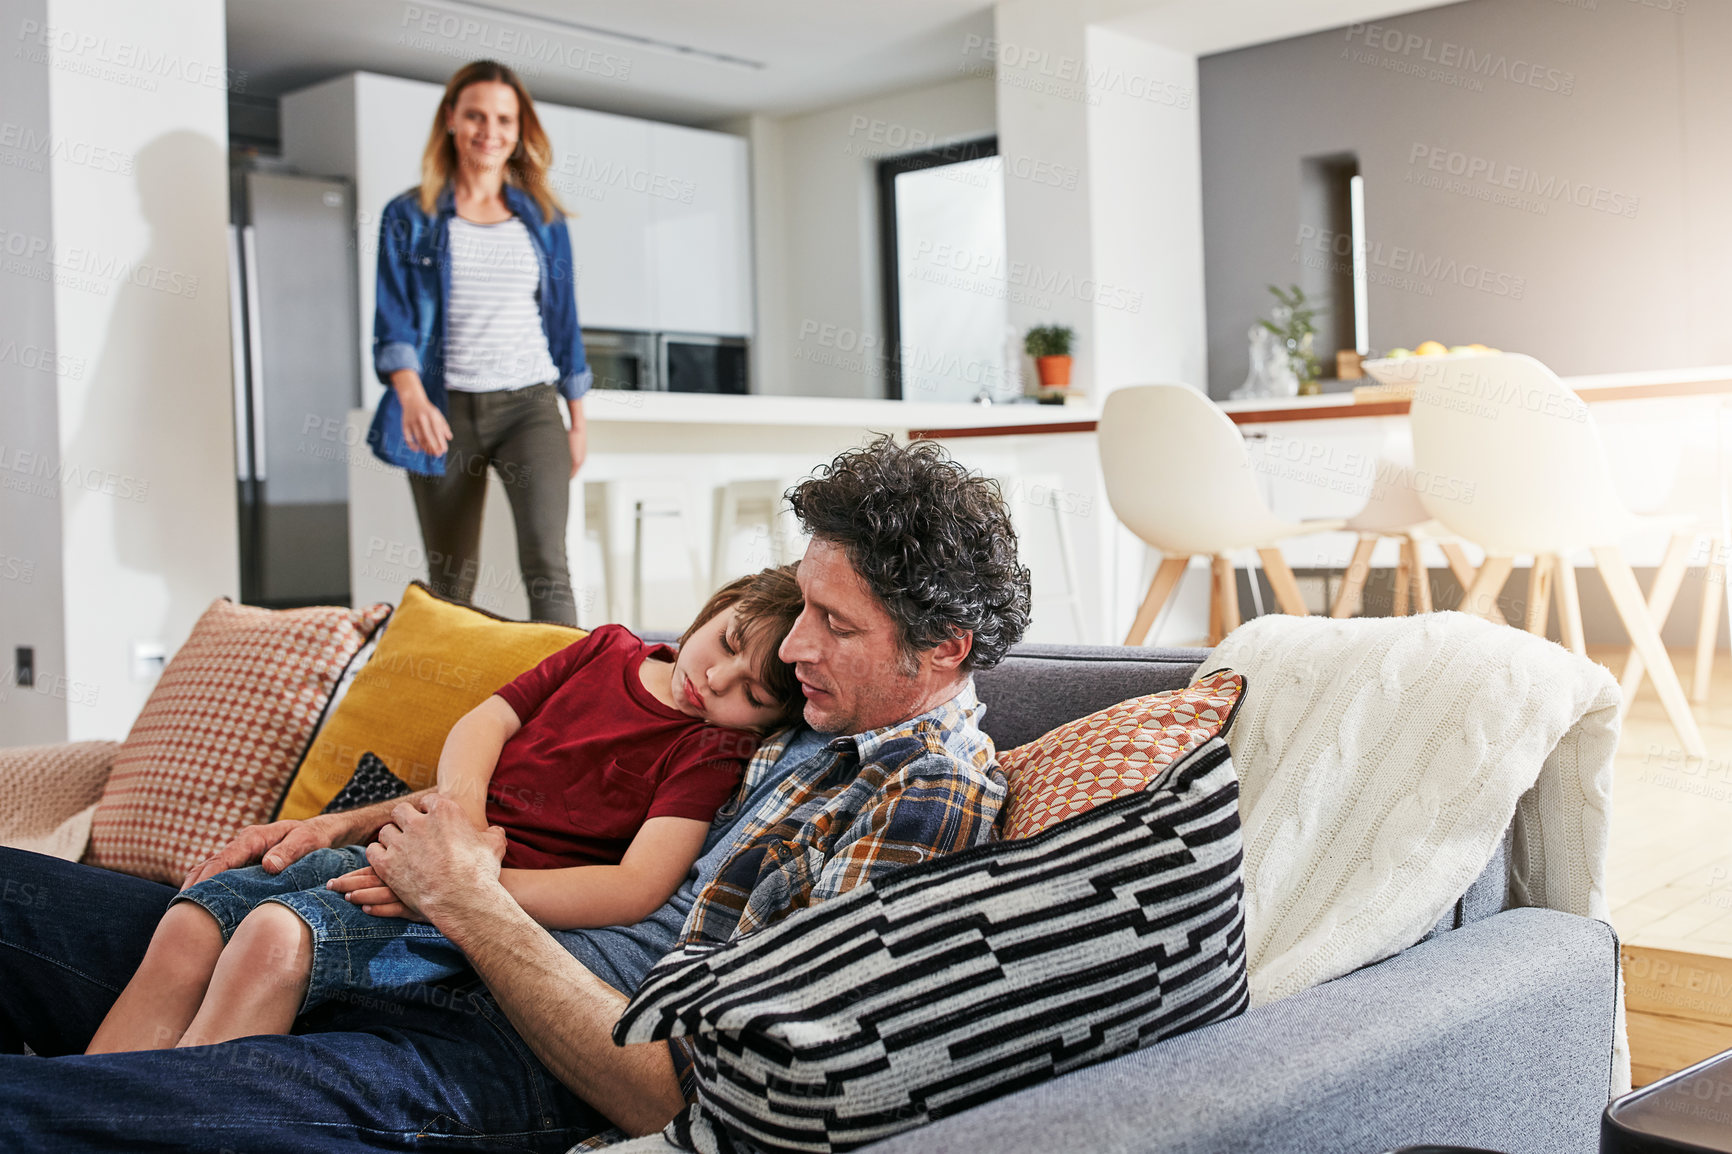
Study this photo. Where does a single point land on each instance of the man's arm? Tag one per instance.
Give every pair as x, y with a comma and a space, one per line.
282, 843
439, 864
578, 897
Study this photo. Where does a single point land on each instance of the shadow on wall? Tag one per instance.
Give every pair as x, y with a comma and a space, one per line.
151, 465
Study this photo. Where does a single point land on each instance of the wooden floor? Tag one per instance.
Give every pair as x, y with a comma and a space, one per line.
1669, 877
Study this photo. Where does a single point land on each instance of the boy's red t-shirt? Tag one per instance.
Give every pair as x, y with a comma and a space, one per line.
598, 756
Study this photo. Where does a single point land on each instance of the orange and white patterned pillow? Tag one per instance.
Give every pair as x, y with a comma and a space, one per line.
221, 734
1119, 750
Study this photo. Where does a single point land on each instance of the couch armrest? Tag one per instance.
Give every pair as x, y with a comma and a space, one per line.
45, 787
1497, 1035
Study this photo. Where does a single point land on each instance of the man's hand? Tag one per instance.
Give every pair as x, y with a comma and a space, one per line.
431, 854
275, 846
364, 888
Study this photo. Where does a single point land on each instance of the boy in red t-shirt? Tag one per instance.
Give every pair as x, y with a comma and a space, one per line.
604, 765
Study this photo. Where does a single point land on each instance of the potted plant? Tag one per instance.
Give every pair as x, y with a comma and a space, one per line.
1049, 345
1294, 325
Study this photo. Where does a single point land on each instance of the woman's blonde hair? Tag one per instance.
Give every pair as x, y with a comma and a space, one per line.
526, 167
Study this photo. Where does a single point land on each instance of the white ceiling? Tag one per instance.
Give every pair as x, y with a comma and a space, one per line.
775, 56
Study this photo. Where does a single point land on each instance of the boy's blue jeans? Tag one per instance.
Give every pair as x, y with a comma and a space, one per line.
354, 952
427, 1067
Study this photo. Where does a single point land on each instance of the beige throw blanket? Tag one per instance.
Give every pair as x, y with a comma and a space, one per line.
1381, 760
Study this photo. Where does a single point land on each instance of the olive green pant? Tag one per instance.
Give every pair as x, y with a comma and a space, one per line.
519, 435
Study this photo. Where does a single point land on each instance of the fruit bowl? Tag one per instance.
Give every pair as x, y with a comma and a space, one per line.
1409, 369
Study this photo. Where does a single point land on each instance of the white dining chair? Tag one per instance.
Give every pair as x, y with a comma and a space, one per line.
1526, 474
1178, 476
1694, 506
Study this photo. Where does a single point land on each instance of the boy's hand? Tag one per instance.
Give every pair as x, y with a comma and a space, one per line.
275, 846
364, 888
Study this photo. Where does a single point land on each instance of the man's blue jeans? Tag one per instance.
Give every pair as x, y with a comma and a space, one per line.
426, 1067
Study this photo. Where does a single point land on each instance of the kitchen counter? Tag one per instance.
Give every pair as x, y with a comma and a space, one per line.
1595, 388
613, 406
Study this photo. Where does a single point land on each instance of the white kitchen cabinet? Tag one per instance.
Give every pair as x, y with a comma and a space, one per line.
661, 214
600, 164
700, 231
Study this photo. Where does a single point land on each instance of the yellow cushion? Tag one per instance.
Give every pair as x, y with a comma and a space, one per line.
435, 661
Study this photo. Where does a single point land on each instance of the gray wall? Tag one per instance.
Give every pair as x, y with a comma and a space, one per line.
1625, 105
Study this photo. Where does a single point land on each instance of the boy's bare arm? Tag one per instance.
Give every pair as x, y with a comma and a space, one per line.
471, 754
585, 897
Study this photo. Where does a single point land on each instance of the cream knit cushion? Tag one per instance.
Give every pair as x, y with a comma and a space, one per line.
48, 794
1381, 760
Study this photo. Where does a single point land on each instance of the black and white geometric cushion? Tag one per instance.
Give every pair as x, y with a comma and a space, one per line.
373, 782
952, 982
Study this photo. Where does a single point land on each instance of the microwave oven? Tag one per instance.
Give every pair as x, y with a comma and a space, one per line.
700, 364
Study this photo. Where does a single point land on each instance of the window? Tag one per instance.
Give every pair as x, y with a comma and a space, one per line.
946, 320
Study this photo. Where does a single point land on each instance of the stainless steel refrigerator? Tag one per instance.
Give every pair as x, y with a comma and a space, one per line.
296, 376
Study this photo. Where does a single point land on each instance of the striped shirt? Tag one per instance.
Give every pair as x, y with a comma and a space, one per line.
493, 334
873, 802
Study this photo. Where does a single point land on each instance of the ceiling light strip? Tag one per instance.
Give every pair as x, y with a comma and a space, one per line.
591, 30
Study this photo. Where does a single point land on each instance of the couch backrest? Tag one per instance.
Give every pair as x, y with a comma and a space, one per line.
1038, 687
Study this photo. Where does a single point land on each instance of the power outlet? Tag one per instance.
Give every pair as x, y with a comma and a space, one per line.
25, 664
148, 658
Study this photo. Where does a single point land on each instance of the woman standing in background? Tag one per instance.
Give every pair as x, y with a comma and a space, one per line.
476, 334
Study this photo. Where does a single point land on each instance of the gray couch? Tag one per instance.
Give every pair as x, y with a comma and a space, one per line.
1495, 1031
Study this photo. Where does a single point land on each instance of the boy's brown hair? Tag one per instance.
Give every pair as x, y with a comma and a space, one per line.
765, 605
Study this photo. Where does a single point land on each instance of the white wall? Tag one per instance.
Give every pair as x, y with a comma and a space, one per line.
1145, 205
31, 603
1104, 230
138, 263
816, 215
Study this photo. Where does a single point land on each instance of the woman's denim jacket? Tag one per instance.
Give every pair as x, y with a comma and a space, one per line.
409, 313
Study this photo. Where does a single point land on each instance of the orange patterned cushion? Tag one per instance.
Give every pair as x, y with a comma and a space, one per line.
1108, 754
221, 733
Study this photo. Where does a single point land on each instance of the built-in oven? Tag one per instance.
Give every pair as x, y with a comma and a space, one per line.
701, 364
621, 359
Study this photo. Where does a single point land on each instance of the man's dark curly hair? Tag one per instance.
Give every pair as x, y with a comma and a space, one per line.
932, 541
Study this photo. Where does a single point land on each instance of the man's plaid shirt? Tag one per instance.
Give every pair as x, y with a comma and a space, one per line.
866, 805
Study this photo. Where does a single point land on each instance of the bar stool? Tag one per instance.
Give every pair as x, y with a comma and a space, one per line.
759, 504
1046, 491
1178, 476
1394, 510
1528, 476
615, 507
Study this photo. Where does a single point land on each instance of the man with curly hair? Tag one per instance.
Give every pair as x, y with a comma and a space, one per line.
911, 582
